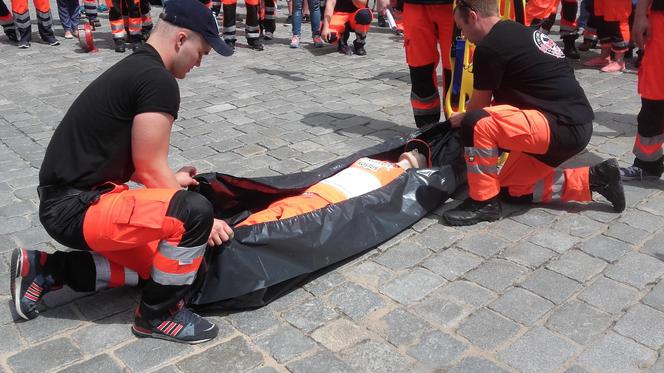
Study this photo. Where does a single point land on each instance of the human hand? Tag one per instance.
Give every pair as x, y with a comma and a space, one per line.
221, 232
185, 176
325, 33
455, 119
641, 30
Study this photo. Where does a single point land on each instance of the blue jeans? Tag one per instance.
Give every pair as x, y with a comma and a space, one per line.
68, 11
314, 13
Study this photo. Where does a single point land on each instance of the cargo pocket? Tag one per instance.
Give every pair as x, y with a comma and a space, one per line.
141, 213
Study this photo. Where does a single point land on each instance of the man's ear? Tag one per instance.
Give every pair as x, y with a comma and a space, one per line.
180, 39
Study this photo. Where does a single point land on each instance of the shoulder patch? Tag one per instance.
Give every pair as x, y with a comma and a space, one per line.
546, 45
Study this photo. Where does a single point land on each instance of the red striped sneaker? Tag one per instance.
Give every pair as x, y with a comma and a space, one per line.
181, 325
28, 281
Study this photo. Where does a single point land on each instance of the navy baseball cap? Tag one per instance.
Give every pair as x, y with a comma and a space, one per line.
193, 15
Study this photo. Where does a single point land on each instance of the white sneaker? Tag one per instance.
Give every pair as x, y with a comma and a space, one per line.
295, 41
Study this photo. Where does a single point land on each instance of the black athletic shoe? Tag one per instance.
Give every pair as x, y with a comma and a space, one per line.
636, 173
605, 180
11, 34
471, 212
180, 325
230, 43
359, 49
119, 45
28, 281
289, 19
569, 50
381, 21
255, 44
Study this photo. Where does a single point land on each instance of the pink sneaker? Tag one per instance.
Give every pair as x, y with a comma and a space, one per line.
597, 62
614, 67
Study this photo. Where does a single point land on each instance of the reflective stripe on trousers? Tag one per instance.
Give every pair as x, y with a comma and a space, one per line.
648, 148
175, 265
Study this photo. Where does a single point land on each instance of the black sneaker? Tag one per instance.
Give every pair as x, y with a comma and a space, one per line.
471, 212
306, 19
23, 45
180, 325
289, 19
28, 282
381, 21
255, 44
119, 45
633, 173
569, 50
343, 48
230, 43
11, 34
605, 180
359, 49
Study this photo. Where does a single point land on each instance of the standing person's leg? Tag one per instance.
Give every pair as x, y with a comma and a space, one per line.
568, 28
537, 11
270, 18
296, 23
45, 22
314, 12
228, 29
91, 12
64, 8
252, 29
590, 26
22, 22
146, 19
649, 158
421, 45
135, 24
617, 20
117, 24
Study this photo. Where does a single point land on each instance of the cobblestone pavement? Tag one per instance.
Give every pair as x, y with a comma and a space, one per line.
565, 288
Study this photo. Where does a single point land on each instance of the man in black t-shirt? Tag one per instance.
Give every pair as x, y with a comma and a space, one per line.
118, 130
541, 116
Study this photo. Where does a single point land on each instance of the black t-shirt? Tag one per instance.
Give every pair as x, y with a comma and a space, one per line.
657, 5
526, 69
92, 144
345, 6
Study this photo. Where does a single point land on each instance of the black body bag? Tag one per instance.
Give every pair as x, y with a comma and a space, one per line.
266, 260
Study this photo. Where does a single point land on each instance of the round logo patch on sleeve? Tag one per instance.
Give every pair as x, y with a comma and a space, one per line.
545, 44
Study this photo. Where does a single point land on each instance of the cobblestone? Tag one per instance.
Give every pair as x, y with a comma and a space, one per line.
487, 329
643, 324
437, 350
539, 350
615, 353
578, 321
551, 285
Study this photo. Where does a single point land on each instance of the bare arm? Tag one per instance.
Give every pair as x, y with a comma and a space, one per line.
480, 100
150, 137
327, 18
641, 27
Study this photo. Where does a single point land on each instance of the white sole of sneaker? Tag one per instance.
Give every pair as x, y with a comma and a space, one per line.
141, 334
16, 279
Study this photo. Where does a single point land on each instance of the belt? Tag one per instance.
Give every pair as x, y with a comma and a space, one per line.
50, 192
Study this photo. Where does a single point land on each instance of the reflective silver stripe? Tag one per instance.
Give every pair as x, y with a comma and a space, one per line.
134, 32
270, 16
181, 254
46, 23
269, 9
228, 29
433, 97
171, 278
22, 16
228, 38
44, 14
131, 277
481, 152
648, 157
648, 141
119, 35
558, 183
102, 271
117, 27
251, 28
435, 110
538, 191
252, 35
482, 169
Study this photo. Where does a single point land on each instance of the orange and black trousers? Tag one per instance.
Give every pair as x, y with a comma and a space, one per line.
542, 13
157, 235
132, 16
342, 23
650, 136
609, 21
251, 29
426, 28
23, 23
538, 144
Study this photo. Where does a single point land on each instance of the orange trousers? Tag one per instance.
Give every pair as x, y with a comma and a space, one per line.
521, 132
287, 208
651, 72
426, 29
131, 229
